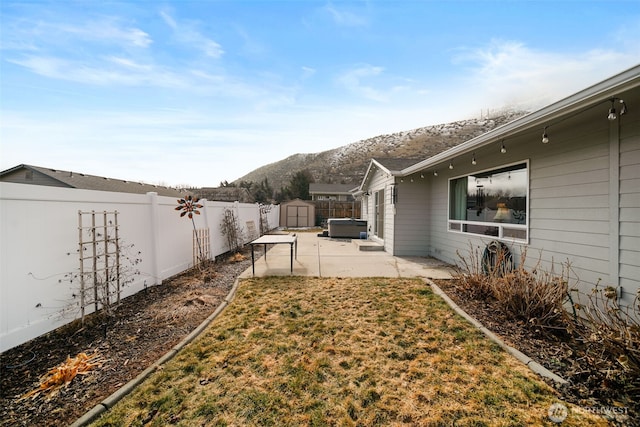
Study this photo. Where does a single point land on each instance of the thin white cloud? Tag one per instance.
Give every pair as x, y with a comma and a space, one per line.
308, 72
36, 34
128, 63
188, 34
168, 19
354, 81
511, 73
122, 72
344, 17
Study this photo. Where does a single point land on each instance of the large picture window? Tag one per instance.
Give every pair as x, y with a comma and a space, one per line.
491, 203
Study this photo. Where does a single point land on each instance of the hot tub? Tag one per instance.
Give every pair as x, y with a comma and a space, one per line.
347, 227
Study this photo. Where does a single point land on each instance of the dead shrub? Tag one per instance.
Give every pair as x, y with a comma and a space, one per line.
612, 334
472, 281
537, 297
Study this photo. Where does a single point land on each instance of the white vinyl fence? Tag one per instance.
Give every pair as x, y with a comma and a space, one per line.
39, 241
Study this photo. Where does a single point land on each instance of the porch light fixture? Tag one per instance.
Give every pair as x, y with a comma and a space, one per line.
473, 160
612, 112
435, 173
545, 137
450, 165
503, 149
623, 109
422, 175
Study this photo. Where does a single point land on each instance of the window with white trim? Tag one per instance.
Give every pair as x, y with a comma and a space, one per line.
378, 213
491, 203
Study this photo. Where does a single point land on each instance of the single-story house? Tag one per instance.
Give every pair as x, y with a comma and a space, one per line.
36, 175
338, 192
562, 182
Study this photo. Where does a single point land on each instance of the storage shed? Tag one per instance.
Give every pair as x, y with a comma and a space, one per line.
297, 213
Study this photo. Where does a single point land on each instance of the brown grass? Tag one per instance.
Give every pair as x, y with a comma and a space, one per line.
308, 351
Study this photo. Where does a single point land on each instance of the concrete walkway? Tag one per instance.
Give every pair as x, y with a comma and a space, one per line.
327, 257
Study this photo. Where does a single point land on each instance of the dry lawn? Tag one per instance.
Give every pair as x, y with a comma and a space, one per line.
308, 351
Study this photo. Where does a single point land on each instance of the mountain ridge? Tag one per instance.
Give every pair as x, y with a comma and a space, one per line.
347, 164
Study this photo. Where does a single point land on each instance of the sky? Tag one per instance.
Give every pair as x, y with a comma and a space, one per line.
193, 93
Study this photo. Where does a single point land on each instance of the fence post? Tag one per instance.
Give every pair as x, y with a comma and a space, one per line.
155, 236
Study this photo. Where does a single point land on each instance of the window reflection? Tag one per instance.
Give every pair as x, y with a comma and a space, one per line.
494, 196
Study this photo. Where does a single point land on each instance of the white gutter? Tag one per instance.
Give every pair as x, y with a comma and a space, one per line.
593, 95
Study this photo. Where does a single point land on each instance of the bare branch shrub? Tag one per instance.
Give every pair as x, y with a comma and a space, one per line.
232, 230
472, 280
612, 334
536, 297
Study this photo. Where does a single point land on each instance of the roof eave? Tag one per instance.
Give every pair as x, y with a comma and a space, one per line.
595, 94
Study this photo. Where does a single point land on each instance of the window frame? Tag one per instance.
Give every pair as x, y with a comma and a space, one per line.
379, 206
459, 226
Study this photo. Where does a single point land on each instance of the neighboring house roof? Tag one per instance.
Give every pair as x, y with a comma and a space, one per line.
315, 188
225, 194
36, 175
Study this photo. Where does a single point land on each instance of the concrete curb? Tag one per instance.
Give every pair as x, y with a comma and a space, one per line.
108, 402
526, 360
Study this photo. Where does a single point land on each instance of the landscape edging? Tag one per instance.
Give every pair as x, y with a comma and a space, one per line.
526, 360
116, 396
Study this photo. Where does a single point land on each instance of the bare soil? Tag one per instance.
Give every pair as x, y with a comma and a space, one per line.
142, 329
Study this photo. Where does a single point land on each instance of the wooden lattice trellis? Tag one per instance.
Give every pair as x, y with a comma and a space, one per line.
201, 246
99, 254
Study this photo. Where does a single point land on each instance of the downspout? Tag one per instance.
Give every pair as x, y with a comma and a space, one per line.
614, 203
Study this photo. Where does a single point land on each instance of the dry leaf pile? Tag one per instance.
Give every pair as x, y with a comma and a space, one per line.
62, 375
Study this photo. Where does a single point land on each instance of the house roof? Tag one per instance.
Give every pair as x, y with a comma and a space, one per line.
600, 93
331, 188
388, 165
89, 182
395, 166
552, 114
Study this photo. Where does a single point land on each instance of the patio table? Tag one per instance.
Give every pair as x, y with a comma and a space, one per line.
274, 239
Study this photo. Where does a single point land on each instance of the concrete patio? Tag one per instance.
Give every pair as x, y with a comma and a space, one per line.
328, 257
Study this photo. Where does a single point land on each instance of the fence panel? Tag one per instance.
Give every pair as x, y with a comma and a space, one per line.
326, 209
39, 290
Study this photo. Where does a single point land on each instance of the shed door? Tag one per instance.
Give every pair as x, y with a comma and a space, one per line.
297, 216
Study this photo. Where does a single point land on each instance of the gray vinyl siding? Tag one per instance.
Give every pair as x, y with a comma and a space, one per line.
378, 182
569, 203
629, 260
411, 218
570, 218
24, 176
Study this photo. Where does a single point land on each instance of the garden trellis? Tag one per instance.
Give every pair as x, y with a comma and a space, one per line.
99, 255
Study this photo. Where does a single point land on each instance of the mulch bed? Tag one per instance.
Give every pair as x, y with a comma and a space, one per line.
142, 329
561, 353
